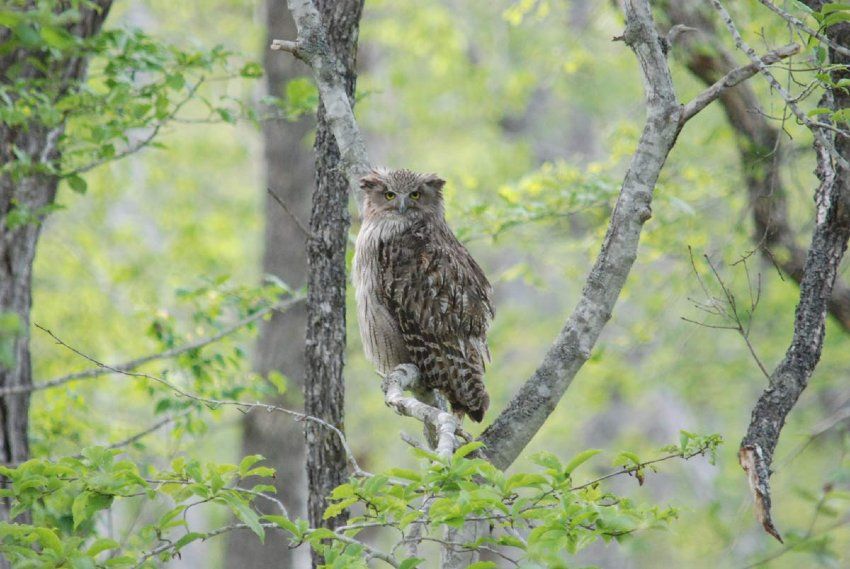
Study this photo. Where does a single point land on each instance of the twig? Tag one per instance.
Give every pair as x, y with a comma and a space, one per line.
734, 77
244, 406
445, 424
103, 369
798, 23
289, 212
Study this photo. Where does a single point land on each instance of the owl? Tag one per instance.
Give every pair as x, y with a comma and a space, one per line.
421, 297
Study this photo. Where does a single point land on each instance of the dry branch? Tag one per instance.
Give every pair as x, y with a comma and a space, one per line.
102, 369
243, 406
828, 245
312, 48
404, 378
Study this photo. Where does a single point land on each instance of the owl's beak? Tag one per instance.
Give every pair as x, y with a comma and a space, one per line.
402, 204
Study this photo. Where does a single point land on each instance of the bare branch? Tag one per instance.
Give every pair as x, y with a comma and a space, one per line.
404, 377
735, 77
215, 403
312, 48
301, 227
529, 409
103, 369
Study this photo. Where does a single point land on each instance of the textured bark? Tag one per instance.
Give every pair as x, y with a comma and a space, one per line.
280, 345
529, 409
829, 243
18, 244
324, 390
759, 146
332, 75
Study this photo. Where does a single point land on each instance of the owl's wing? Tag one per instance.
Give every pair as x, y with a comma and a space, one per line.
430, 278
442, 301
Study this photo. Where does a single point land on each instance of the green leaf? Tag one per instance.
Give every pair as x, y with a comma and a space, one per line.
336, 509
251, 70
410, 563
819, 111
483, 565
248, 462
548, 460
187, 539
278, 380
56, 37
101, 545
580, 459
175, 81
79, 509
626, 458
405, 474
834, 7
468, 448
285, 523
49, 539
243, 511
77, 183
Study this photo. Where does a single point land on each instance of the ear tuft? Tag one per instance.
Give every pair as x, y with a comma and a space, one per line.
434, 181
371, 181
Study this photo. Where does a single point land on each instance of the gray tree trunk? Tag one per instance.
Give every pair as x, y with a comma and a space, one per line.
31, 193
280, 346
324, 392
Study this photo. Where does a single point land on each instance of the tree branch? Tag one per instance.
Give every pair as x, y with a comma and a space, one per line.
312, 48
735, 77
828, 245
532, 405
404, 377
214, 403
103, 369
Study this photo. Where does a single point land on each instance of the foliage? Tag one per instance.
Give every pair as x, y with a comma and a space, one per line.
65, 498
531, 116
136, 85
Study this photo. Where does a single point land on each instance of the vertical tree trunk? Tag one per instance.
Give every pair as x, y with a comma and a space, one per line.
324, 392
30, 193
280, 346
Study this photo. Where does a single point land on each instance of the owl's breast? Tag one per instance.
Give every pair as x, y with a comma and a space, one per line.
379, 330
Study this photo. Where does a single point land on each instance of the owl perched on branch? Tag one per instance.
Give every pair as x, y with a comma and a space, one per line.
421, 297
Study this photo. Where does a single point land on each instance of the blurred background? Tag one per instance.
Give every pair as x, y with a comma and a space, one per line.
531, 112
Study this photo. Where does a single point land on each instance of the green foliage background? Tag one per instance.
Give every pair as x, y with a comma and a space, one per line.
530, 112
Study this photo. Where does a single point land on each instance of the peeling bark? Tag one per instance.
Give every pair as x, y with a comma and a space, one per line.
828, 245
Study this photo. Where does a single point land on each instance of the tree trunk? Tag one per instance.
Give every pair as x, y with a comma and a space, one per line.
324, 392
280, 346
30, 193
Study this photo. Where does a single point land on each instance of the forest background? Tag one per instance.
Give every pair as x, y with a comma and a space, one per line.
530, 112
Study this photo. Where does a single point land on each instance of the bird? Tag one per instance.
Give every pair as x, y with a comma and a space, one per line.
421, 297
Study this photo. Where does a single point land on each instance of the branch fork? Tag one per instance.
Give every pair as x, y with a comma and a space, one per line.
406, 378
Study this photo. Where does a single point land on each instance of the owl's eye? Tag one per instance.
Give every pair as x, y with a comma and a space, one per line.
390, 196
414, 195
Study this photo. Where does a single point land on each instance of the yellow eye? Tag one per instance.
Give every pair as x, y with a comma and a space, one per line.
414, 195
390, 196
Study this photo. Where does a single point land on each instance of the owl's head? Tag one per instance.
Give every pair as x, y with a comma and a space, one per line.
401, 194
